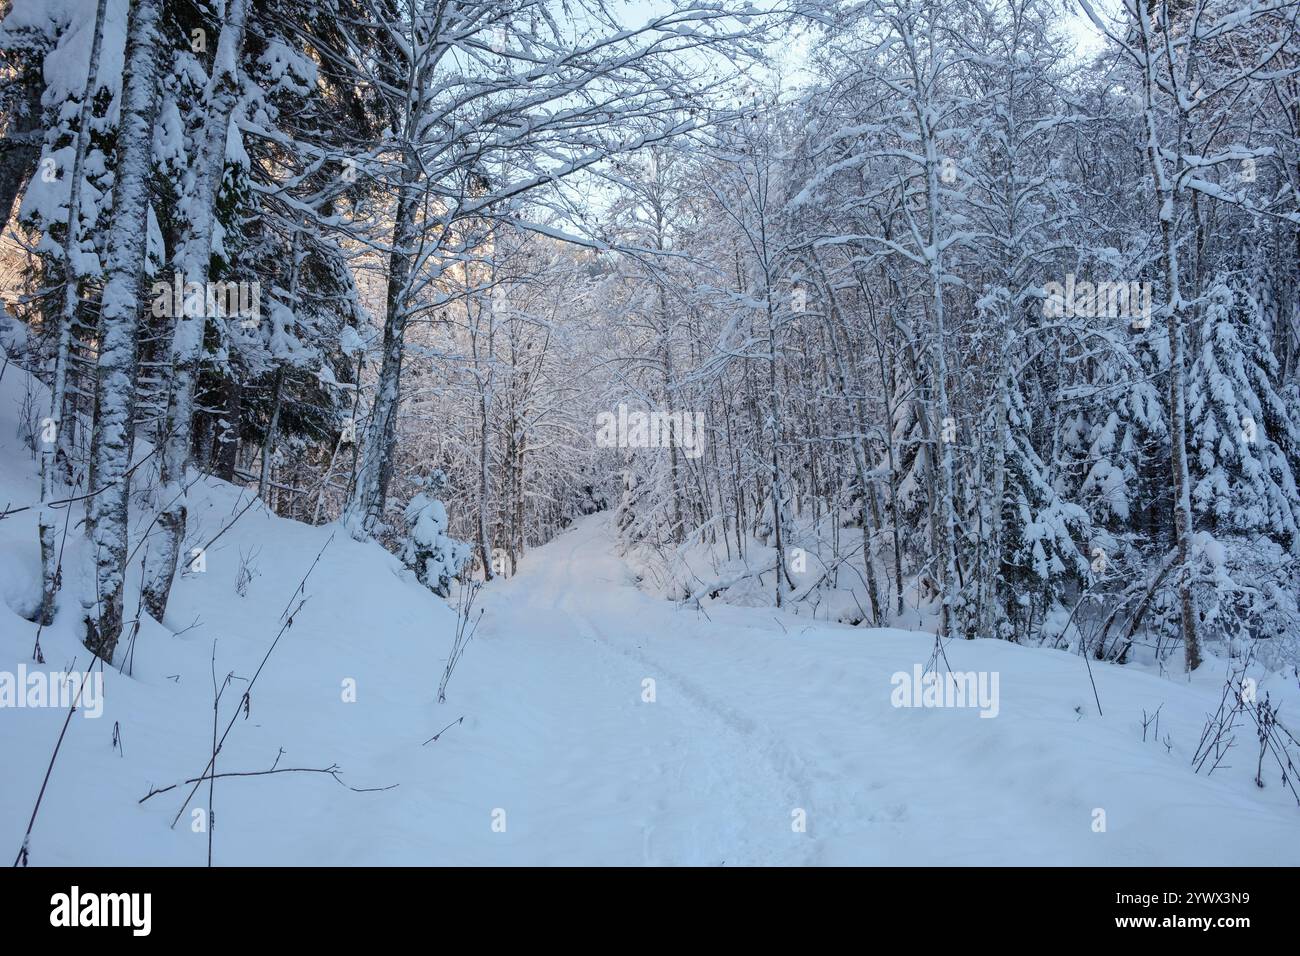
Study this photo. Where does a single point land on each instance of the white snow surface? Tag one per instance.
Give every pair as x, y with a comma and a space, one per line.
756, 716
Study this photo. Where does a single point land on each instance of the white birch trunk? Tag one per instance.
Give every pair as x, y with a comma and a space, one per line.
119, 324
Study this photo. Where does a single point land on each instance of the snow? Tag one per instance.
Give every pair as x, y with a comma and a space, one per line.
427, 550
756, 715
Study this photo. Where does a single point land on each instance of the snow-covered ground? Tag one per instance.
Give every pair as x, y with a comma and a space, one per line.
759, 722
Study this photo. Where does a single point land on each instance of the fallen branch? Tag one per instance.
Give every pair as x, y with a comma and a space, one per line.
722, 584
333, 770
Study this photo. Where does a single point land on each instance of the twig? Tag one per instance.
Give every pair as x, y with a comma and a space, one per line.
212, 783
459, 720
334, 770
464, 605
287, 617
21, 858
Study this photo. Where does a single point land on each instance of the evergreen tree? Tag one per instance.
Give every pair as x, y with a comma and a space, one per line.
435, 557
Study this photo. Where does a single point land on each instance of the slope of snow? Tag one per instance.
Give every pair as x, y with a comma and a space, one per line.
755, 717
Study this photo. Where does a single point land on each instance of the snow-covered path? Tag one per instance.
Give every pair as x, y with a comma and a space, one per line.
757, 722
679, 778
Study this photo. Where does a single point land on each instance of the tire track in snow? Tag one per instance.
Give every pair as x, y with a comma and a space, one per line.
747, 741
760, 779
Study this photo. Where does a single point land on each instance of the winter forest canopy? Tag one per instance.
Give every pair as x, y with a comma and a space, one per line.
919, 313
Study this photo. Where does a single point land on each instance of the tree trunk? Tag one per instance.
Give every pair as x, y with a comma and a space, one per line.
268, 446
119, 323
187, 343
228, 440
365, 507
54, 443
1167, 211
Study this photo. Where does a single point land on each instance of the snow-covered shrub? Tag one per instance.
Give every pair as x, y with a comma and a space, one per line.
427, 549
1246, 598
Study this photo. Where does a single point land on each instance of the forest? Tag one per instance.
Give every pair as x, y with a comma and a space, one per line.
978, 319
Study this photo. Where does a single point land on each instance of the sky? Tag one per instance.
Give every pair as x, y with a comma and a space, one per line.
791, 56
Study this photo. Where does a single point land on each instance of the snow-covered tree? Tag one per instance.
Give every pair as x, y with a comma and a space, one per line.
1239, 425
427, 549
